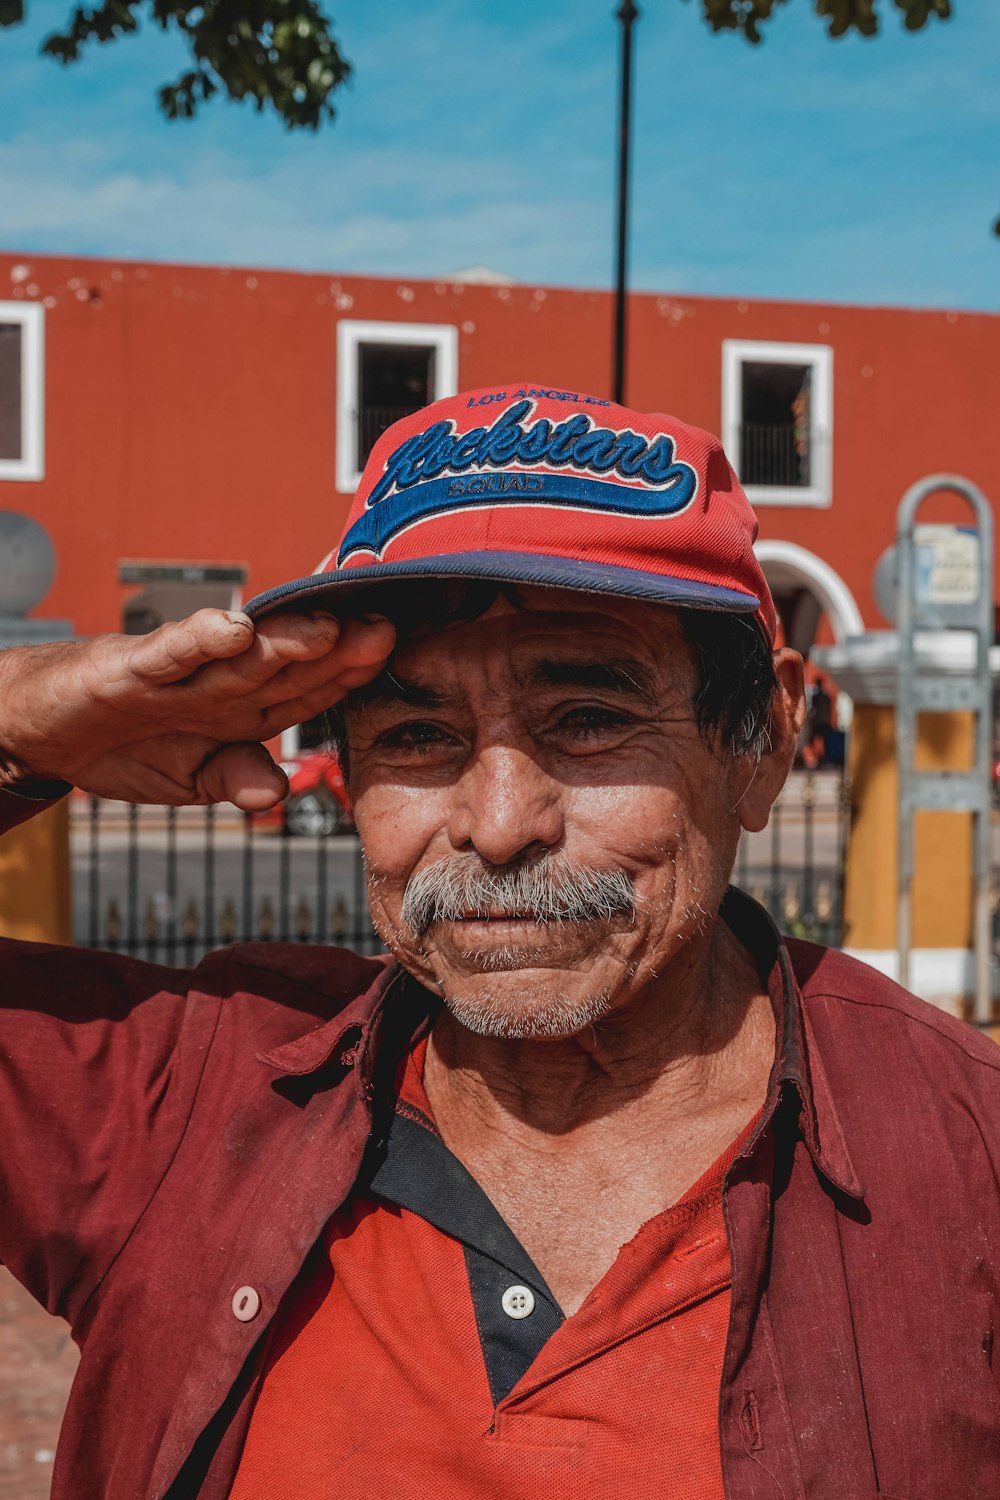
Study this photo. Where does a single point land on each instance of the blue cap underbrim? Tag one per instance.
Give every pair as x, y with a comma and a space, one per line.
509, 567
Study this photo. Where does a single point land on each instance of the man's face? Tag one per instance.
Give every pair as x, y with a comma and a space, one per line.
544, 757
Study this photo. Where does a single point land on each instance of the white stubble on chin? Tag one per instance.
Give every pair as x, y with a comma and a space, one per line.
506, 1016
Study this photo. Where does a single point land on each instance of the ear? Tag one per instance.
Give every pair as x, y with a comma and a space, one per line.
788, 714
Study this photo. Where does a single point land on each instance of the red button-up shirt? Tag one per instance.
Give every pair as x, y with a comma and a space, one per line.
170, 1138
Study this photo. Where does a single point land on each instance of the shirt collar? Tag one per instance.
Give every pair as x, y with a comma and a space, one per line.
341, 1034
798, 1064
394, 1011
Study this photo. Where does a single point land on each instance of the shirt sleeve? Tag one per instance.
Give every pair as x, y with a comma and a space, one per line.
18, 804
101, 1056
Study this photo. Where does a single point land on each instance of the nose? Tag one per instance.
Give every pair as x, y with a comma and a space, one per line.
505, 806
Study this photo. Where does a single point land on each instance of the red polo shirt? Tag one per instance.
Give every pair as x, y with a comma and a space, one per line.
396, 1340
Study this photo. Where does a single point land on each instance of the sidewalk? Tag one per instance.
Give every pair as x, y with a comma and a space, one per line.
37, 1362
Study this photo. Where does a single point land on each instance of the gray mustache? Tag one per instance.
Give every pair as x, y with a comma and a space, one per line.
550, 889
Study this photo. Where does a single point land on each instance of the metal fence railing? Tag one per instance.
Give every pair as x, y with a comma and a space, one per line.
169, 884
795, 867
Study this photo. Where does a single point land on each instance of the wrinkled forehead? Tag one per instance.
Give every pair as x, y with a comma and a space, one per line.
519, 636
422, 609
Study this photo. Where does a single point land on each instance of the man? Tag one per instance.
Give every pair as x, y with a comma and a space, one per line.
598, 1187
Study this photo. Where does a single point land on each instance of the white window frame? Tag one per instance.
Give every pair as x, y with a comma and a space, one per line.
31, 317
443, 337
738, 352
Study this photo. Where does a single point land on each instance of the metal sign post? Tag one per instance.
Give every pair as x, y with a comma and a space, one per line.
945, 582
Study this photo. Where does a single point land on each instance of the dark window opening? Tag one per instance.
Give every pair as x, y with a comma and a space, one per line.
775, 424
394, 380
11, 439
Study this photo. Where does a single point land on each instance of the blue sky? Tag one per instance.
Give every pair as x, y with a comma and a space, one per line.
477, 133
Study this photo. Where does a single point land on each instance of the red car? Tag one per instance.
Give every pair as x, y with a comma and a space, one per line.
317, 804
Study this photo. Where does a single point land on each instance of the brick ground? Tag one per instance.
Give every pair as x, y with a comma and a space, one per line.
37, 1361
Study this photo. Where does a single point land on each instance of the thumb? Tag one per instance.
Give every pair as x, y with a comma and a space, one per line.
244, 774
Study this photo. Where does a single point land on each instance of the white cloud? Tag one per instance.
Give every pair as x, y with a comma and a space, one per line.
343, 221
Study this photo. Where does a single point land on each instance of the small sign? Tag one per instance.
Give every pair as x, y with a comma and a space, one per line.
947, 559
947, 569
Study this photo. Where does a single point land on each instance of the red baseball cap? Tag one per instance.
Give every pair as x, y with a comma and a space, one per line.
525, 484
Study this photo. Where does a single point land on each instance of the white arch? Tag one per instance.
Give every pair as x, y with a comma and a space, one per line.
786, 562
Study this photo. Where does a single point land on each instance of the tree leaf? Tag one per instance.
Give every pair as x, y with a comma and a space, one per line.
278, 54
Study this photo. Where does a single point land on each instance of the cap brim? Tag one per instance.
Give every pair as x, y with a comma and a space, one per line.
508, 567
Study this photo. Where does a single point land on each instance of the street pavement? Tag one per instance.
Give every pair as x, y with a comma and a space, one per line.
37, 1362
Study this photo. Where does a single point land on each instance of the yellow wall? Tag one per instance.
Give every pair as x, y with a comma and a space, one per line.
942, 885
35, 878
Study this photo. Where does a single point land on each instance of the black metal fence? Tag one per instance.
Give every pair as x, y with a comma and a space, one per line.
795, 868
169, 884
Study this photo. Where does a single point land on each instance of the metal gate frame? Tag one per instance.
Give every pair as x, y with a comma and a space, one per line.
921, 692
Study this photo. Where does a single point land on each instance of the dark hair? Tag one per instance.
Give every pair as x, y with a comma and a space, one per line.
735, 668
737, 680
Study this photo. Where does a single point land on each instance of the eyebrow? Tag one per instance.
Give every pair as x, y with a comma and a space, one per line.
625, 675
390, 687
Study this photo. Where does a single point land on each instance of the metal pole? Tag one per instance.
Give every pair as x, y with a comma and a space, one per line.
627, 14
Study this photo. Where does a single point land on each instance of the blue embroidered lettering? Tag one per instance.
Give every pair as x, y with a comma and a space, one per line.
500, 441
561, 447
463, 454
534, 446
410, 490
632, 449
596, 450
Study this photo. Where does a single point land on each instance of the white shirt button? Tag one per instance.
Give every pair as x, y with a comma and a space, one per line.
246, 1304
518, 1302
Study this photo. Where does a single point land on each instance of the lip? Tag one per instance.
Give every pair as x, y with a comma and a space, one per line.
498, 919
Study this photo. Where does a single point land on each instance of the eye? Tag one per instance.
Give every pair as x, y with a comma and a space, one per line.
592, 722
418, 736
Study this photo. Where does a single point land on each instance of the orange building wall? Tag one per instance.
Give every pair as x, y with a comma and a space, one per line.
190, 411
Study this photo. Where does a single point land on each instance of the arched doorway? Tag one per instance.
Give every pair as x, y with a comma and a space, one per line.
806, 589
815, 607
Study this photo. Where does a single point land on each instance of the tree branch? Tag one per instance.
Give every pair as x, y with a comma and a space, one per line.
277, 54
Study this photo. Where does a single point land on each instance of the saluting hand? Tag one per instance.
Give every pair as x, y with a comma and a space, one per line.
177, 716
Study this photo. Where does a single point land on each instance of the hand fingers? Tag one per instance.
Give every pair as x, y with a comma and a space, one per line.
242, 773
286, 638
176, 650
322, 695
359, 654
366, 641
279, 642
294, 711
